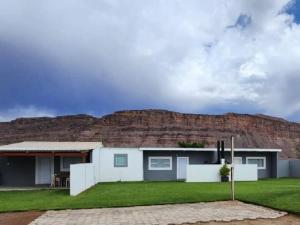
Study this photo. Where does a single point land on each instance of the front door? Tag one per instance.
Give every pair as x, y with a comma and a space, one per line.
44, 168
182, 163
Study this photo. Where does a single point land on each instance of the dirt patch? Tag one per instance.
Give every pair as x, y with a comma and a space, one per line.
285, 220
18, 218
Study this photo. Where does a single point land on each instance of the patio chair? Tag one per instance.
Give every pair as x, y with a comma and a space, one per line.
68, 182
58, 181
52, 181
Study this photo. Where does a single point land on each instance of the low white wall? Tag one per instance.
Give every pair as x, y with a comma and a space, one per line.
81, 177
245, 172
105, 171
210, 173
96, 163
203, 173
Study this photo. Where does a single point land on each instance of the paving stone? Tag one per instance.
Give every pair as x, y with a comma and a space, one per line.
159, 214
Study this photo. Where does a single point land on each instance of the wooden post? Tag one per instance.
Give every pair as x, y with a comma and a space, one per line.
232, 169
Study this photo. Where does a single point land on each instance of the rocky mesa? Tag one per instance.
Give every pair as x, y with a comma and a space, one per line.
147, 128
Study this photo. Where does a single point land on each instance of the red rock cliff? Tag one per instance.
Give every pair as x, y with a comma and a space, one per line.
157, 128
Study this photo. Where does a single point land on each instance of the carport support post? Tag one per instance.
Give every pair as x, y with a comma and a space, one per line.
232, 168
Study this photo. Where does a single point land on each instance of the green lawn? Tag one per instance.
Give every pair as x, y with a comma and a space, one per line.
281, 194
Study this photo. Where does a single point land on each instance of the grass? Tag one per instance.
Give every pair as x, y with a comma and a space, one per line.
283, 194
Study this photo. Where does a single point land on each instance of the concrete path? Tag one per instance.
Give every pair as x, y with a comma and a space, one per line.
160, 214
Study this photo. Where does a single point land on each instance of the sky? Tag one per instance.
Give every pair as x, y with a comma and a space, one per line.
100, 56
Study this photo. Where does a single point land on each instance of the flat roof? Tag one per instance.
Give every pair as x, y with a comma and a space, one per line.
40, 146
212, 149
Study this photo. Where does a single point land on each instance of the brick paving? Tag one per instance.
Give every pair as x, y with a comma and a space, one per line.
159, 214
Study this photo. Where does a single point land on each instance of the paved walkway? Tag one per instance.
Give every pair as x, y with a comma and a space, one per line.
160, 214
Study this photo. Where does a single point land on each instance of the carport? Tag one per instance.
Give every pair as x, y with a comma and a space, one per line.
36, 163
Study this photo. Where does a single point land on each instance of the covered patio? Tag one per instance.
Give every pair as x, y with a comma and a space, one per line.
41, 164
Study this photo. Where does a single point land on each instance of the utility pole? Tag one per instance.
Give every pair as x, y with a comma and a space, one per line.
232, 168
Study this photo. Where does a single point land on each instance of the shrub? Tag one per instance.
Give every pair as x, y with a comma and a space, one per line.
224, 170
183, 144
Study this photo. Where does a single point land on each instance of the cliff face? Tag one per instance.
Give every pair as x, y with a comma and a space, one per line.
158, 128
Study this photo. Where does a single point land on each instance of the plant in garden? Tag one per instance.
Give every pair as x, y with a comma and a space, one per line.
183, 144
224, 172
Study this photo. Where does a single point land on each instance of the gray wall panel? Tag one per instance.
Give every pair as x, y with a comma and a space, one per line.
283, 168
17, 171
194, 158
288, 168
271, 165
295, 168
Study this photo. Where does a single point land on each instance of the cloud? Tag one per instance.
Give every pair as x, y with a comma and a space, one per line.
182, 55
29, 111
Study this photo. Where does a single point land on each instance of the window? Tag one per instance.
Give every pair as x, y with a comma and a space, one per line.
238, 160
259, 161
65, 162
120, 160
160, 163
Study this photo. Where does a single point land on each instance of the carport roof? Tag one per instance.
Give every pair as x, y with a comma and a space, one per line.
40, 146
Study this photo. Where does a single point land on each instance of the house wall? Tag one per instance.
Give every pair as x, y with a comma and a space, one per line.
17, 171
295, 168
271, 162
57, 161
21, 171
283, 169
103, 161
194, 158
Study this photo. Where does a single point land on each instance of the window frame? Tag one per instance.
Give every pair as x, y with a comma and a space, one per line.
120, 154
62, 168
258, 157
160, 168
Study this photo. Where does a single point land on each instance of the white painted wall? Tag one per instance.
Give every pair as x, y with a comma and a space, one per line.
203, 173
96, 163
101, 169
210, 173
81, 177
103, 160
245, 172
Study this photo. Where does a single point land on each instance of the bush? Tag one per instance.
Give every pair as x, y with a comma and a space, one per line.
224, 170
183, 144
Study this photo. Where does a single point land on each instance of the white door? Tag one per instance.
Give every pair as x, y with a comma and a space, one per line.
182, 163
44, 169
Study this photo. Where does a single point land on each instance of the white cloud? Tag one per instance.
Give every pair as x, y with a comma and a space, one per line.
18, 112
183, 54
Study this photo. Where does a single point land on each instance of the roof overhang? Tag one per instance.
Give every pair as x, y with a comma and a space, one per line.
43, 154
211, 149
48, 148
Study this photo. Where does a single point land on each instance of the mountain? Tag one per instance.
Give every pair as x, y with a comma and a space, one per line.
158, 128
